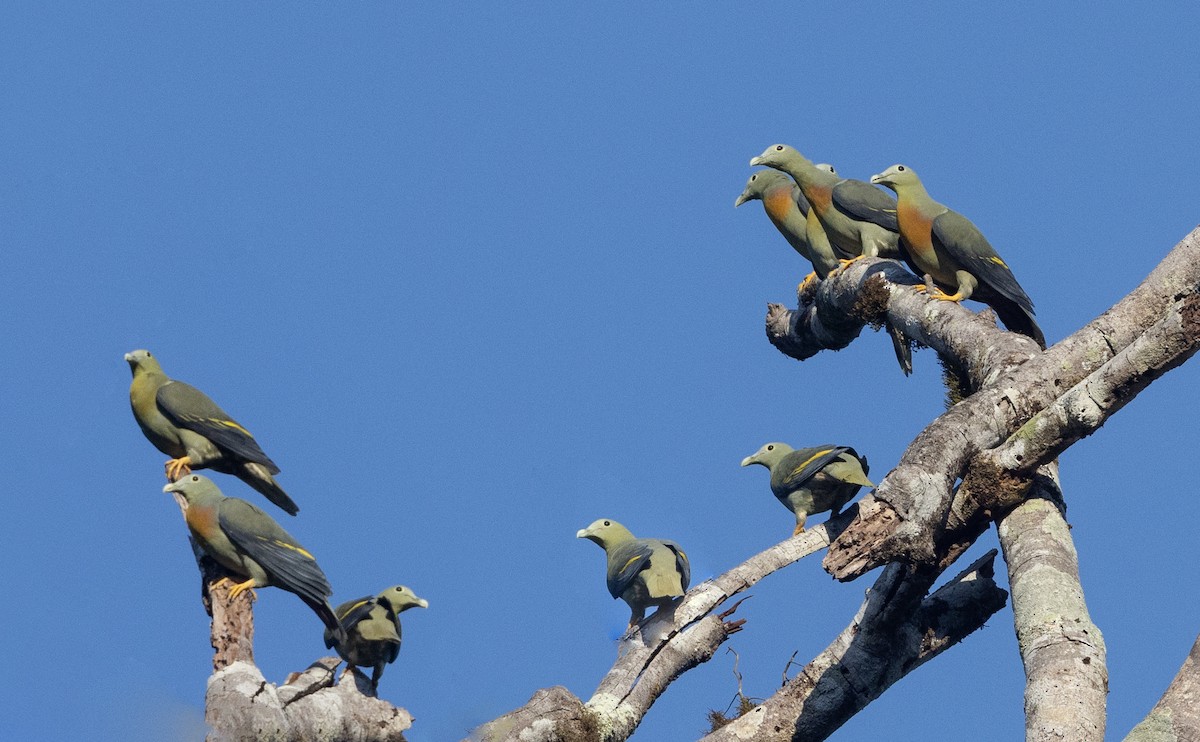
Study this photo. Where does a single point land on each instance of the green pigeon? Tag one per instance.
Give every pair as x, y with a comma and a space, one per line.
372, 629
788, 209
951, 251
247, 541
847, 219
642, 571
812, 480
182, 422
853, 213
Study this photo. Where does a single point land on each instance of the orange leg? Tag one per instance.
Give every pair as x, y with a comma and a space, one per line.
845, 263
240, 588
179, 467
800, 519
943, 296
809, 280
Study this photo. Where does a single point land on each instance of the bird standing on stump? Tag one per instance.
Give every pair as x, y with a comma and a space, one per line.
953, 254
372, 629
182, 422
812, 480
643, 572
247, 541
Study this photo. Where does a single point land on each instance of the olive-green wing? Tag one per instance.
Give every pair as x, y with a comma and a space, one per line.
681, 563
866, 203
288, 564
353, 611
962, 241
189, 408
349, 614
626, 561
801, 465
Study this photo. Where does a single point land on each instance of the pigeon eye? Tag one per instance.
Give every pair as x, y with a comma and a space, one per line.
900, 168
195, 478
753, 178
778, 147
607, 523
770, 448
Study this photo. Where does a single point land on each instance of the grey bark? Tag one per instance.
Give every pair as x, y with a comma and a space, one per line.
1066, 684
1176, 716
240, 705
673, 642
669, 643
897, 629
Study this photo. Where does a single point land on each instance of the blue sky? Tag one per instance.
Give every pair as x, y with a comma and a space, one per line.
473, 277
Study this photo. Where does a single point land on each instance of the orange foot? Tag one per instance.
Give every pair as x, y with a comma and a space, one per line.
240, 588
179, 467
845, 263
809, 280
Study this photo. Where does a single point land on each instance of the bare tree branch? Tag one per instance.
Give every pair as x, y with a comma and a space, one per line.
903, 519
894, 632
1176, 716
669, 644
1066, 676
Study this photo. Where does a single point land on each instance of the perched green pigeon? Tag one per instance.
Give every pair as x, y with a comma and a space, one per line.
812, 480
182, 422
642, 571
847, 219
788, 209
947, 248
247, 541
850, 211
372, 626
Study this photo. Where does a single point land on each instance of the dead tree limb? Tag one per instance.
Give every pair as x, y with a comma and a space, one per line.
897, 629
240, 705
668, 644
1066, 674
903, 519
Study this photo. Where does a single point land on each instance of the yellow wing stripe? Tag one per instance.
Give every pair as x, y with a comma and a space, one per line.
293, 547
631, 561
350, 610
808, 461
231, 424
998, 261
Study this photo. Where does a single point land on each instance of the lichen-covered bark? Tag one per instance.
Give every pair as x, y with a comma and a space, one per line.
904, 518
1063, 652
978, 462
1176, 716
894, 632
